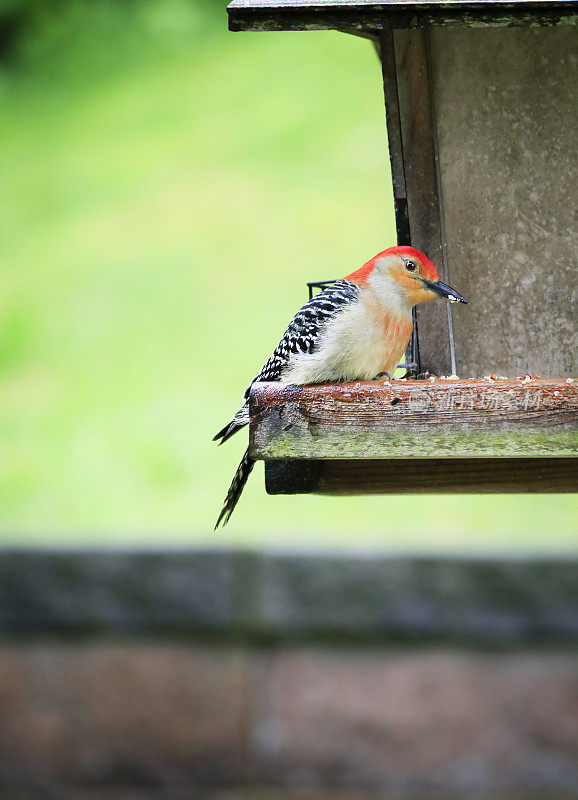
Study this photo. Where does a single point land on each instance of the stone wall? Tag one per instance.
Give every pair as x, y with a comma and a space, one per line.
185, 673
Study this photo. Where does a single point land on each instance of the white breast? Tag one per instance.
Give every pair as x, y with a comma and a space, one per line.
363, 340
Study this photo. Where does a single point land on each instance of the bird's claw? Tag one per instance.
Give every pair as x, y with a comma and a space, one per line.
413, 375
381, 375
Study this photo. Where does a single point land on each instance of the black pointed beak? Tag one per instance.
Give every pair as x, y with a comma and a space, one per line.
444, 291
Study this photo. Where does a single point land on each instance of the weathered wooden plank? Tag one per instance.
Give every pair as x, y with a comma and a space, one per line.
415, 419
371, 15
386, 52
422, 476
505, 117
413, 5
421, 181
255, 595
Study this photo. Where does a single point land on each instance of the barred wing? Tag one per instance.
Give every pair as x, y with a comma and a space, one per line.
304, 329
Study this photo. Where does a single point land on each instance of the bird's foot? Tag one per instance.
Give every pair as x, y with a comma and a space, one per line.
413, 375
381, 375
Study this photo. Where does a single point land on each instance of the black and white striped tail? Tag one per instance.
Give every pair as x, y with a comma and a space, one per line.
239, 421
302, 336
236, 487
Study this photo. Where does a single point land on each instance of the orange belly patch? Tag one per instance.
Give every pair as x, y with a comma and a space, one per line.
396, 334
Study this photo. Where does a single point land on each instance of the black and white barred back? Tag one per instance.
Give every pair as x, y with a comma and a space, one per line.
301, 336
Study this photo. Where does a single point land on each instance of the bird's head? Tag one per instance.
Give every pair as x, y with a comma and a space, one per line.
403, 275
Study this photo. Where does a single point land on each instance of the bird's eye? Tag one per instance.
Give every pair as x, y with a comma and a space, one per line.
410, 266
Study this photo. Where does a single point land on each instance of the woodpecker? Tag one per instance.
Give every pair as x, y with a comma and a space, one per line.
356, 329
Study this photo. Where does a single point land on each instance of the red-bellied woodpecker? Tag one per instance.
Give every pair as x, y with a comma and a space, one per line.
356, 329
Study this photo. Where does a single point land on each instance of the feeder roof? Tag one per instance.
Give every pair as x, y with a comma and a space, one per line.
364, 15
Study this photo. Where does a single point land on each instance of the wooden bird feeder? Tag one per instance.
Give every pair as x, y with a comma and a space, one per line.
480, 99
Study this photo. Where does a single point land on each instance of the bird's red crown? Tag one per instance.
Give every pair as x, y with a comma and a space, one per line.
429, 271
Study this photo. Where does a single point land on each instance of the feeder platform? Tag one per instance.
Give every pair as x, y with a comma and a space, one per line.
401, 436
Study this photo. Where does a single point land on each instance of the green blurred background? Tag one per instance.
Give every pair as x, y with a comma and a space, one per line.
167, 190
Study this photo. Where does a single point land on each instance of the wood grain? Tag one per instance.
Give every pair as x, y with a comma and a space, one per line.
422, 476
394, 138
421, 182
415, 419
389, 76
373, 15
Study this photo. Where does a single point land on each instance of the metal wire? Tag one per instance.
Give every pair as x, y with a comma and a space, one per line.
318, 285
